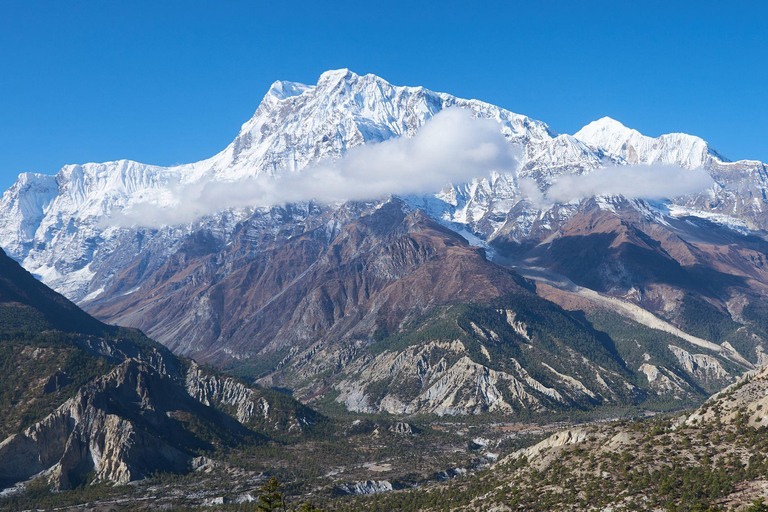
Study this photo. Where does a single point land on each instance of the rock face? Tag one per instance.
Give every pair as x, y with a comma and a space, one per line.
745, 401
135, 421
440, 378
474, 359
556, 441
256, 408
704, 365
404, 429
113, 427
463, 387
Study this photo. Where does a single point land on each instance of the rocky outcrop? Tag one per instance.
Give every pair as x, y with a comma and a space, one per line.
672, 379
365, 488
519, 327
404, 429
420, 380
703, 366
558, 440
211, 389
116, 428
745, 400
661, 382
137, 420
251, 406
477, 372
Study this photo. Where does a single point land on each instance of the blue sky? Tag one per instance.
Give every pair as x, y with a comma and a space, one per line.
169, 82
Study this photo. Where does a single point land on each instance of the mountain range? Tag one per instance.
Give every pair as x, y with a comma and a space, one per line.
475, 298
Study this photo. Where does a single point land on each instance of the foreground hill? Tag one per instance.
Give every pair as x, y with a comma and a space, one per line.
82, 401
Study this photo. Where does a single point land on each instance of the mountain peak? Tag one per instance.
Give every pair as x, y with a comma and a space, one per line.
604, 125
682, 149
334, 76
283, 89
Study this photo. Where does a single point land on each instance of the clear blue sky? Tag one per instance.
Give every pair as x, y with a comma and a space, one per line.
167, 82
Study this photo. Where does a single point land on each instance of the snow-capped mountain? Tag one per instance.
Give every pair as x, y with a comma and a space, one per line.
298, 293
58, 226
633, 147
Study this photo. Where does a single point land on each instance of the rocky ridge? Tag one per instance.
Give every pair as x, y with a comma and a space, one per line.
110, 404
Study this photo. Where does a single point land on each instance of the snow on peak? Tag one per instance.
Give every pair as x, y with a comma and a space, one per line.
297, 124
282, 89
55, 224
336, 75
602, 128
633, 147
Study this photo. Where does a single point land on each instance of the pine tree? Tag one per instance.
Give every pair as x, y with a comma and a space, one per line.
271, 499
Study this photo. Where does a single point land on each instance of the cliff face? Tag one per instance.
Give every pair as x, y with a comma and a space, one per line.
260, 409
137, 420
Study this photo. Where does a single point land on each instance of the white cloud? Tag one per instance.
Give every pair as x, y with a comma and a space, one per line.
654, 181
453, 147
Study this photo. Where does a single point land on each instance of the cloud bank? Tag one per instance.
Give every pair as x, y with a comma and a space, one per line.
452, 147
654, 181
